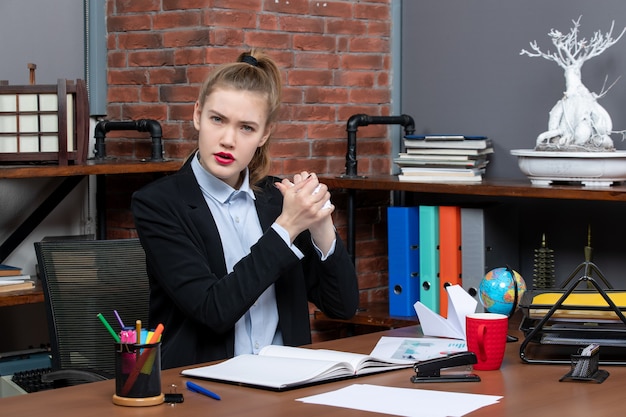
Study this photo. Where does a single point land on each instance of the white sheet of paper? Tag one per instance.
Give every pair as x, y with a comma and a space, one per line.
460, 304
403, 401
416, 348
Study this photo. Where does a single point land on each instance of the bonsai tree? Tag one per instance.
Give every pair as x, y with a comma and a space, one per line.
577, 122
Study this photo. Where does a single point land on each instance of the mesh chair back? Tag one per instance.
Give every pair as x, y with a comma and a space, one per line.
82, 278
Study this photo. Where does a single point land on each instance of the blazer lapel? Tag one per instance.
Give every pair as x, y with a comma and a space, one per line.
203, 223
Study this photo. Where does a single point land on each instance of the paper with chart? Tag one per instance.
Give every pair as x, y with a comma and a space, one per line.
460, 304
417, 348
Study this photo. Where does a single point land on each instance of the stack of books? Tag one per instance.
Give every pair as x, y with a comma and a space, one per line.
444, 158
12, 279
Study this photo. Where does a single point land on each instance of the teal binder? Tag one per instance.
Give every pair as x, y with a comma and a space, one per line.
403, 246
429, 256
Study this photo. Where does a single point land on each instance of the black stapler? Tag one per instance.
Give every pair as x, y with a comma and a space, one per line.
430, 370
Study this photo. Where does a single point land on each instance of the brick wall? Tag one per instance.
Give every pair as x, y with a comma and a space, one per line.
335, 59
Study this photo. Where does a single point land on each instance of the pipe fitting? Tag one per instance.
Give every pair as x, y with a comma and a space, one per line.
142, 125
357, 120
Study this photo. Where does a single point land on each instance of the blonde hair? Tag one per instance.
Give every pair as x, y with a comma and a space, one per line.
257, 72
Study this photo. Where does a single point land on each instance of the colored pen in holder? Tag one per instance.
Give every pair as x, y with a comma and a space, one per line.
138, 374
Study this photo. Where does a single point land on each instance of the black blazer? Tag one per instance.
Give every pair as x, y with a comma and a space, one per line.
190, 290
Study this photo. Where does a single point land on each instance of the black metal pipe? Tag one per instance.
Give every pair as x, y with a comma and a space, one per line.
143, 125
351, 161
357, 120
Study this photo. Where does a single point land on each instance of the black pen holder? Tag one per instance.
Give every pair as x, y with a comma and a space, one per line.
585, 368
138, 374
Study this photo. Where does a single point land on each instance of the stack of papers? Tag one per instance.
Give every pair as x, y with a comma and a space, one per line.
12, 279
444, 158
13, 284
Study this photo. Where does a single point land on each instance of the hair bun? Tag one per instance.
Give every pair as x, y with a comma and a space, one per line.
249, 59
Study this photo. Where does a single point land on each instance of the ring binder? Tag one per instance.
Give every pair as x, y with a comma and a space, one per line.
404, 260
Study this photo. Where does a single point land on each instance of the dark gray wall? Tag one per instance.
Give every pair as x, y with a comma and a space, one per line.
48, 33
462, 71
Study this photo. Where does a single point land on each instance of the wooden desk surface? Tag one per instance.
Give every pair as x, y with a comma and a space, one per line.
528, 390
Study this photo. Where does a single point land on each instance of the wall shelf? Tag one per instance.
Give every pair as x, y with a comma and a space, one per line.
91, 167
19, 297
488, 188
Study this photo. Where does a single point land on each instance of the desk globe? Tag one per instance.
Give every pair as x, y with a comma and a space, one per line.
497, 290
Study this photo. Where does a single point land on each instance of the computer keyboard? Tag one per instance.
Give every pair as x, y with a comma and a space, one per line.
30, 381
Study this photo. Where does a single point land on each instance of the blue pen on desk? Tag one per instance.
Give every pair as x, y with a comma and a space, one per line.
197, 388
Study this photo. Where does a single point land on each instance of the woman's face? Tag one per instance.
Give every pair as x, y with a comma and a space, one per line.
231, 125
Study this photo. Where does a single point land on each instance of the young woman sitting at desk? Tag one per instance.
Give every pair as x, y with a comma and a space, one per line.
234, 255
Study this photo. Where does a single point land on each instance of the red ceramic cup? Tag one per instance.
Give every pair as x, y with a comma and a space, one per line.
486, 337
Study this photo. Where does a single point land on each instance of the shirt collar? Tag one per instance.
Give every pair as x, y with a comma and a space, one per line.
217, 188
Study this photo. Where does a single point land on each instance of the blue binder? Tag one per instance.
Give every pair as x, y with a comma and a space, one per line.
403, 245
429, 256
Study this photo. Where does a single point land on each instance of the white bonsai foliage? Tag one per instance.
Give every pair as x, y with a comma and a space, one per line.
577, 122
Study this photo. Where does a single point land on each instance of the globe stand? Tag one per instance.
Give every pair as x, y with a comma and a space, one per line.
511, 338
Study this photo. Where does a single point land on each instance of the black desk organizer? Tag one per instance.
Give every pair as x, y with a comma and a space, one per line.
558, 340
585, 368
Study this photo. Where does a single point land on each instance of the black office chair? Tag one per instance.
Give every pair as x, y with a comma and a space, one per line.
80, 279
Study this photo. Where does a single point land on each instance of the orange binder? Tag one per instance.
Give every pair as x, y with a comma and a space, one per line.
449, 252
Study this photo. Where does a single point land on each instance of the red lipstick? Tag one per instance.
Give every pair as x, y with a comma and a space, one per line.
224, 158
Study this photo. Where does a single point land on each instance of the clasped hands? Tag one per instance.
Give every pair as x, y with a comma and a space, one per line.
306, 205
